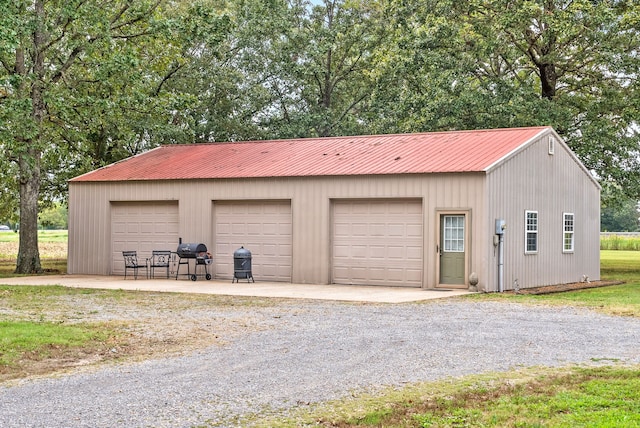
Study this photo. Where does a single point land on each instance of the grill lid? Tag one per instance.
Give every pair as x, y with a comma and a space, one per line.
242, 253
191, 250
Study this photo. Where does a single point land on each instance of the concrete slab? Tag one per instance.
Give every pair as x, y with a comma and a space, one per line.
373, 294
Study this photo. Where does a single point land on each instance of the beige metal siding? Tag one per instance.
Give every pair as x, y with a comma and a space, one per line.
377, 243
143, 227
89, 213
551, 185
262, 227
89, 249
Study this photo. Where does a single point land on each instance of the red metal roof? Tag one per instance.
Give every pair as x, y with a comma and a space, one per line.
433, 152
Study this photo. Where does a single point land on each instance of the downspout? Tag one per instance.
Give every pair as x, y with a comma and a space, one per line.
501, 263
500, 227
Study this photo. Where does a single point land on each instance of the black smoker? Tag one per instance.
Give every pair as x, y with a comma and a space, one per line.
242, 265
197, 252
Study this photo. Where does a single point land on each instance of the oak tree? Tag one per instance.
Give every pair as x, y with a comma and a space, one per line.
66, 75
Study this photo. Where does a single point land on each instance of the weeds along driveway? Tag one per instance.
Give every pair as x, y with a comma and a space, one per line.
308, 351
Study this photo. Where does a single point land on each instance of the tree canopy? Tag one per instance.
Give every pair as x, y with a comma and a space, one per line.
80, 86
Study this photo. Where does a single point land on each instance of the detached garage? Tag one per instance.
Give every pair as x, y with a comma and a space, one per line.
413, 210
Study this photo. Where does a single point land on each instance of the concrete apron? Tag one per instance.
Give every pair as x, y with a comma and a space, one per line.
374, 294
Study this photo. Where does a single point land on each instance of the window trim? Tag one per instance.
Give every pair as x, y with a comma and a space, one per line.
566, 232
534, 232
552, 144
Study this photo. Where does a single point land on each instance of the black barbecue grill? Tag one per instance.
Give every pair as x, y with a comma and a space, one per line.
198, 253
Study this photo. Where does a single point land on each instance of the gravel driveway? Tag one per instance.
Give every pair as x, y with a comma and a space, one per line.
313, 351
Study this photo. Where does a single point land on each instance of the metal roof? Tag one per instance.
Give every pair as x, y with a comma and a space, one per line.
423, 153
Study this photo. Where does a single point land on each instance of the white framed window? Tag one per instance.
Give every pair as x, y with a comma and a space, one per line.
454, 233
530, 232
552, 145
568, 226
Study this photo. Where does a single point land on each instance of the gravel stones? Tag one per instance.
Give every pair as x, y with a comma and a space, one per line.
311, 351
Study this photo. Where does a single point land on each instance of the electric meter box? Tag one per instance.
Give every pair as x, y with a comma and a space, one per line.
500, 226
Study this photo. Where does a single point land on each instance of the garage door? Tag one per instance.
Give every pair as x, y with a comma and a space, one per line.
264, 228
377, 243
144, 227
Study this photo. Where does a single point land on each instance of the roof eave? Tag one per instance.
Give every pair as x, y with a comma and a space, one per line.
408, 173
80, 177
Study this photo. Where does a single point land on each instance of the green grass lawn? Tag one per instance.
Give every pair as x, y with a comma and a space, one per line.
615, 264
623, 299
20, 339
606, 397
27, 335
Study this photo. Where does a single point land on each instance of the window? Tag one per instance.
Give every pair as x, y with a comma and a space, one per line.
531, 232
567, 232
454, 233
552, 145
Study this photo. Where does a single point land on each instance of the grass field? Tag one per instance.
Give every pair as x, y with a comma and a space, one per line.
620, 242
53, 251
52, 244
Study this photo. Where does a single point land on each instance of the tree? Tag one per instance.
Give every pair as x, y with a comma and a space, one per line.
286, 69
54, 217
223, 95
622, 218
329, 62
61, 64
494, 63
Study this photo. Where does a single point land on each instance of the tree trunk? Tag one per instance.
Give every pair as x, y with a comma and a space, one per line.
28, 253
548, 80
548, 75
29, 161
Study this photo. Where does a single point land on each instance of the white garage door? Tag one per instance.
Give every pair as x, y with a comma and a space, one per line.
262, 227
377, 243
143, 227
